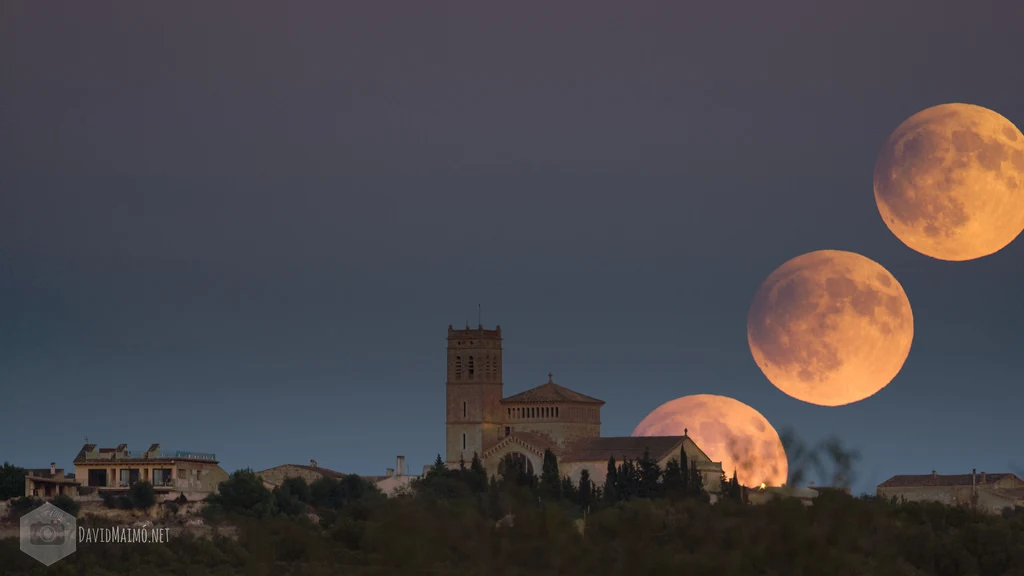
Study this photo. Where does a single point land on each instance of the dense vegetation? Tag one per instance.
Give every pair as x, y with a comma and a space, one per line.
642, 520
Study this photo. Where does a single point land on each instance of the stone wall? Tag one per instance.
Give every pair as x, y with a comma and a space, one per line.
948, 495
561, 433
988, 500
711, 472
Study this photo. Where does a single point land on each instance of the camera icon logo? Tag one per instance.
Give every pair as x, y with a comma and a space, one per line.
48, 534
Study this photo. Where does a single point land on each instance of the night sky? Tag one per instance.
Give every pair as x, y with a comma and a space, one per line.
244, 227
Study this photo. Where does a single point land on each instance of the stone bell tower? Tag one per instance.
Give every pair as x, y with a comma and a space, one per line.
474, 419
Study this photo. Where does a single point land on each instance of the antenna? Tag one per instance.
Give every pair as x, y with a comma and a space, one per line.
478, 317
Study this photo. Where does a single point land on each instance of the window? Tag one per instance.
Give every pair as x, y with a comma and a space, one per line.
458, 367
470, 366
508, 430
463, 440
463, 408
487, 370
556, 411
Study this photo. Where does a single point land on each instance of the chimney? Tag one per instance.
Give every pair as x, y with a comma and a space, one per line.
390, 472
982, 477
53, 468
974, 479
312, 464
400, 466
934, 474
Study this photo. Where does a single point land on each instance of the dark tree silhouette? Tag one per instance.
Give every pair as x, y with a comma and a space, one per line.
611, 481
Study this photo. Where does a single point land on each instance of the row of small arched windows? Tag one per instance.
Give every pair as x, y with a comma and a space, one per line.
534, 412
490, 368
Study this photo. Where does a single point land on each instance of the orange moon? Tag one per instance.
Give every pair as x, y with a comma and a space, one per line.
728, 431
830, 327
949, 182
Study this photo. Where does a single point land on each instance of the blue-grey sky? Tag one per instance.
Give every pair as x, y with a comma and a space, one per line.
244, 227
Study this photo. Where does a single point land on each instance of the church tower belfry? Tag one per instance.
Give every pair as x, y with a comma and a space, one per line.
473, 391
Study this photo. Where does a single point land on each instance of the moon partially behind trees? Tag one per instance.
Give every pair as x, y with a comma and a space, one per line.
728, 431
830, 327
949, 182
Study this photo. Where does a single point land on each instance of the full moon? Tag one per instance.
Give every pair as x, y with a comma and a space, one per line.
728, 431
949, 182
830, 327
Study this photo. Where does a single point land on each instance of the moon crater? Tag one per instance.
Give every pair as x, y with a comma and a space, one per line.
946, 182
830, 327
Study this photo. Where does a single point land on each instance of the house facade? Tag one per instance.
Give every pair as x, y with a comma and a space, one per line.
118, 469
48, 483
991, 493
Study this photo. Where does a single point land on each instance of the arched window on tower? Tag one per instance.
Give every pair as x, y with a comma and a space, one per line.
487, 370
463, 408
469, 365
556, 411
458, 367
463, 440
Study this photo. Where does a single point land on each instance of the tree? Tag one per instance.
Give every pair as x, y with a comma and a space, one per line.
684, 472
629, 480
550, 483
67, 504
672, 479
650, 476
732, 489
477, 474
292, 496
695, 483
569, 491
141, 495
611, 481
586, 489
12, 481
438, 467
243, 493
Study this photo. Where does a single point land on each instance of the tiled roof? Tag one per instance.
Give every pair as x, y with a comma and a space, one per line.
322, 471
915, 480
622, 447
44, 472
551, 392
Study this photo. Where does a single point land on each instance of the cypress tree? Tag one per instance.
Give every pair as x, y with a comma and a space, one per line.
629, 480
611, 481
650, 476
696, 480
550, 483
586, 489
684, 474
568, 489
736, 490
672, 479
477, 474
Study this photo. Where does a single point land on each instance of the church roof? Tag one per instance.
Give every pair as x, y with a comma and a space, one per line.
622, 447
551, 392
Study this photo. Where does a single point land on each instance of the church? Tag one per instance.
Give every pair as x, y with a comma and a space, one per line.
481, 420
